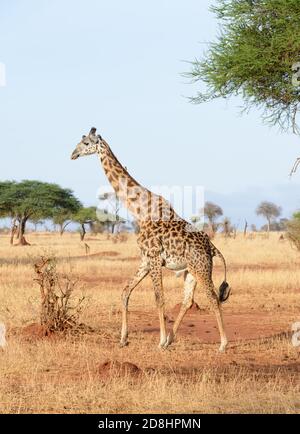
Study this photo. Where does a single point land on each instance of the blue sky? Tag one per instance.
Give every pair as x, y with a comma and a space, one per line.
118, 66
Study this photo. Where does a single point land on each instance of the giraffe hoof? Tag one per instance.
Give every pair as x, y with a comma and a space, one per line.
222, 348
123, 344
162, 345
168, 342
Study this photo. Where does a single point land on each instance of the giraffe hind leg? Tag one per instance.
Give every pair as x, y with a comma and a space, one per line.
215, 305
203, 277
188, 298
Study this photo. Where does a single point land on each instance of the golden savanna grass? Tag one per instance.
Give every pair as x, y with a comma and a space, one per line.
259, 372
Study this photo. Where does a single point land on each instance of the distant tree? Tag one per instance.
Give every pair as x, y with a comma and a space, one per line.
227, 227
36, 221
85, 216
197, 221
33, 200
109, 220
62, 218
276, 226
212, 212
113, 208
8, 212
256, 56
268, 210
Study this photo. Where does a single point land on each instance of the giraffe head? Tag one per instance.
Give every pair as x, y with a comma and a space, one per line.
88, 145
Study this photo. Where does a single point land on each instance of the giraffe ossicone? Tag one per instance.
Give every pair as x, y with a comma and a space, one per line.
165, 240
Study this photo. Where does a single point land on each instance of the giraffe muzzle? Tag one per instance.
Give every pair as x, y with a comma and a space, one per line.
75, 155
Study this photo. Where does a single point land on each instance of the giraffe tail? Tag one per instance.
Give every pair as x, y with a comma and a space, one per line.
224, 292
224, 289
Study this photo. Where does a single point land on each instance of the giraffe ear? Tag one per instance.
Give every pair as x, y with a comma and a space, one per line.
93, 131
99, 137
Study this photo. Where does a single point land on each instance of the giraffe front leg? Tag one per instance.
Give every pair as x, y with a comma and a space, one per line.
139, 276
124, 330
156, 276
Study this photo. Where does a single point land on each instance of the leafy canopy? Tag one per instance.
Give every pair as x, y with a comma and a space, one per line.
34, 199
255, 56
212, 211
296, 215
85, 215
268, 210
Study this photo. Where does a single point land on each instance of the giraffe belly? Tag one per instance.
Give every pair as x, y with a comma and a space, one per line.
175, 264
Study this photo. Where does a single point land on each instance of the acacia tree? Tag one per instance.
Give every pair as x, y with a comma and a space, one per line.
62, 218
268, 210
85, 216
256, 56
212, 212
5, 212
34, 200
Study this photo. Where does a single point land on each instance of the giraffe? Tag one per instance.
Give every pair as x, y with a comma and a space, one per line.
165, 240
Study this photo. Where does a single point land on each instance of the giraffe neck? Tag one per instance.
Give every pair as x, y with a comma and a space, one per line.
142, 203
115, 172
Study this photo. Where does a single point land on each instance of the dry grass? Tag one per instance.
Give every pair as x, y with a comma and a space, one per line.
61, 374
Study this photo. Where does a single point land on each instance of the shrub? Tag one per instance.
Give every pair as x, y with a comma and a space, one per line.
293, 232
59, 310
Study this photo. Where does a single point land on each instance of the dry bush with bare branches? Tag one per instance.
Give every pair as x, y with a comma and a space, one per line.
59, 310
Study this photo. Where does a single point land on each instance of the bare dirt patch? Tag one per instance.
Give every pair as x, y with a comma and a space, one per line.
201, 325
34, 331
193, 309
